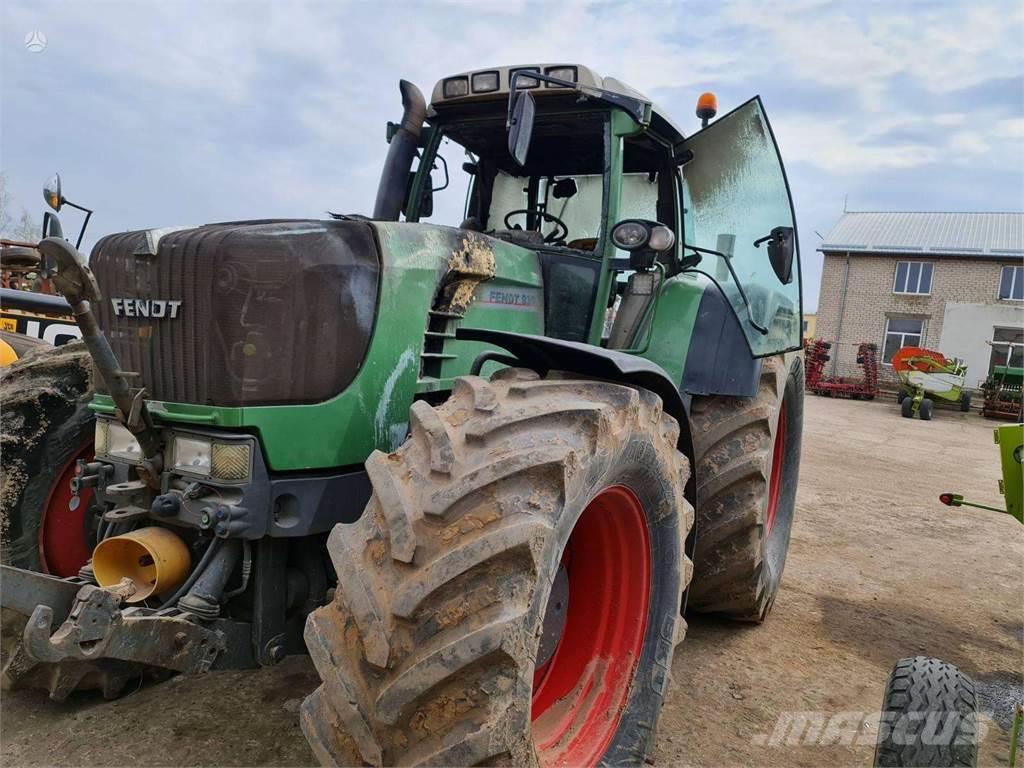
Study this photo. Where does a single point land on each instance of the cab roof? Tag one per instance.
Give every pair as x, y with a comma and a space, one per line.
492, 84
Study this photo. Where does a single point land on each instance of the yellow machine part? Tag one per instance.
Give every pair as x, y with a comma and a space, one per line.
7, 354
155, 559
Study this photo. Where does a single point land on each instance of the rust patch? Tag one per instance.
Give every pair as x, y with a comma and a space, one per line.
470, 265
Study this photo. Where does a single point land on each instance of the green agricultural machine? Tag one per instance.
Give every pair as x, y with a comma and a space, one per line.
1004, 393
925, 374
471, 466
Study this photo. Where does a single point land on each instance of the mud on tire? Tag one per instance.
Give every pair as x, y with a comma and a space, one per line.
45, 423
427, 653
738, 560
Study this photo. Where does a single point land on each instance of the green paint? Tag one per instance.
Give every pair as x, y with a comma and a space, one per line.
1010, 439
621, 126
373, 412
674, 320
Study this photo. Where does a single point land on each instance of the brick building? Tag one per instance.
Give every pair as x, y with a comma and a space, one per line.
947, 281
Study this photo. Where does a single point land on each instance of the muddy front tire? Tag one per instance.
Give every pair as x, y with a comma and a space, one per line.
747, 452
522, 553
45, 427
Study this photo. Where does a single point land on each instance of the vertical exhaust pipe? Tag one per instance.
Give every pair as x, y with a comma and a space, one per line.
394, 178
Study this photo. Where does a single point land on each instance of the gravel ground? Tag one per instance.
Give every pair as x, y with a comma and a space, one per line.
877, 570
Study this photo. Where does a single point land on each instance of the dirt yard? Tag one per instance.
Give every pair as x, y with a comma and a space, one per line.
878, 569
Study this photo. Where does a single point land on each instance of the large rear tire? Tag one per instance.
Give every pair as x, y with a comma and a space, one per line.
928, 716
45, 427
747, 452
511, 594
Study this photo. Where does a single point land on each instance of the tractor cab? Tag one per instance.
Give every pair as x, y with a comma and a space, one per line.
553, 157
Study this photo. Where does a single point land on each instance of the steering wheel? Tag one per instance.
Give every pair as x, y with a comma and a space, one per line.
554, 235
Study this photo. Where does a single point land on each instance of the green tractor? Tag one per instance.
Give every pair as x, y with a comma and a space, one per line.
470, 467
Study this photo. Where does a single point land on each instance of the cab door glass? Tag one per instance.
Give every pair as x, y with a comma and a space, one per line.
736, 195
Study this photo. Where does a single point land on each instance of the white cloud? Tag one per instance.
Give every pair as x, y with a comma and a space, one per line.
284, 104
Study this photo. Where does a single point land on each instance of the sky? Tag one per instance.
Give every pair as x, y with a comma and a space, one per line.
186, 112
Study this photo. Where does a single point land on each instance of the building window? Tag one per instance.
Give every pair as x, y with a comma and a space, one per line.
901, 332
913, 277
1011, 284
1007, 348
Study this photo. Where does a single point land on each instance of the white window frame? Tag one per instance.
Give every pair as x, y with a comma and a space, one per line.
903, 334
1018, 276
931, 278
1009, 345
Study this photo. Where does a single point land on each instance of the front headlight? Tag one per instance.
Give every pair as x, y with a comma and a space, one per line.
99, 440
114, 439
192, 454
229, 461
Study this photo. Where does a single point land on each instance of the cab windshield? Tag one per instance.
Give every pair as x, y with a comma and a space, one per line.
557, 200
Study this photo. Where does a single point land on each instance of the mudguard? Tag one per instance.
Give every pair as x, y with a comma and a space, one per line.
544, 354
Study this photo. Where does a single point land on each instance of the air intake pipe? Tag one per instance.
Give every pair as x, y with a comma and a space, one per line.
394, 178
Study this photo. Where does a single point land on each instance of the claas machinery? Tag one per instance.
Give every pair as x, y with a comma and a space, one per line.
475, 463
925, 374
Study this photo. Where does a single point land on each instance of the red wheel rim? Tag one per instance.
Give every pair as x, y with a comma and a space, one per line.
778, 459
63, 540
580, 693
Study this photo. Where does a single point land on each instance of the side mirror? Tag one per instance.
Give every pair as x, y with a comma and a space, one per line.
52, 193
520, 129
781, 249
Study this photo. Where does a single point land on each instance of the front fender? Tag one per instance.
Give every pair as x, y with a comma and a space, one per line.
543, 354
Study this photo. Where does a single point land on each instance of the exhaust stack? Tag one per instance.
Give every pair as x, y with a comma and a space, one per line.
394, 178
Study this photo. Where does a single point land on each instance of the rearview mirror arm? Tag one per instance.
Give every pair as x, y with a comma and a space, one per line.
739, 286
88, 215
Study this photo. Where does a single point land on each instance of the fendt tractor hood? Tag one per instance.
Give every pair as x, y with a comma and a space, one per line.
243, 313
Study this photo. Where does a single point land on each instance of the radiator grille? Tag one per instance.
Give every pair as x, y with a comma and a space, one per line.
271, 312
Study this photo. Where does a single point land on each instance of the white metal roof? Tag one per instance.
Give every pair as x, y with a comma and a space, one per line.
991, 235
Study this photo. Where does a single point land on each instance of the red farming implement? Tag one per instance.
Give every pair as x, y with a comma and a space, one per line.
864, 387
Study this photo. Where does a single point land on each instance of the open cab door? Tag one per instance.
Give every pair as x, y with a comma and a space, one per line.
739, 214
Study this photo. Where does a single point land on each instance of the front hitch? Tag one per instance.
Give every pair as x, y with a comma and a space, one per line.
97, 638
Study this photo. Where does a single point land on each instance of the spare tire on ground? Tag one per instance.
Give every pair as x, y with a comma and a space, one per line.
45, 427
929, 716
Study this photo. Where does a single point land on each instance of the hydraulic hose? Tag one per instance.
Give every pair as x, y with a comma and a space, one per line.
211, 550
